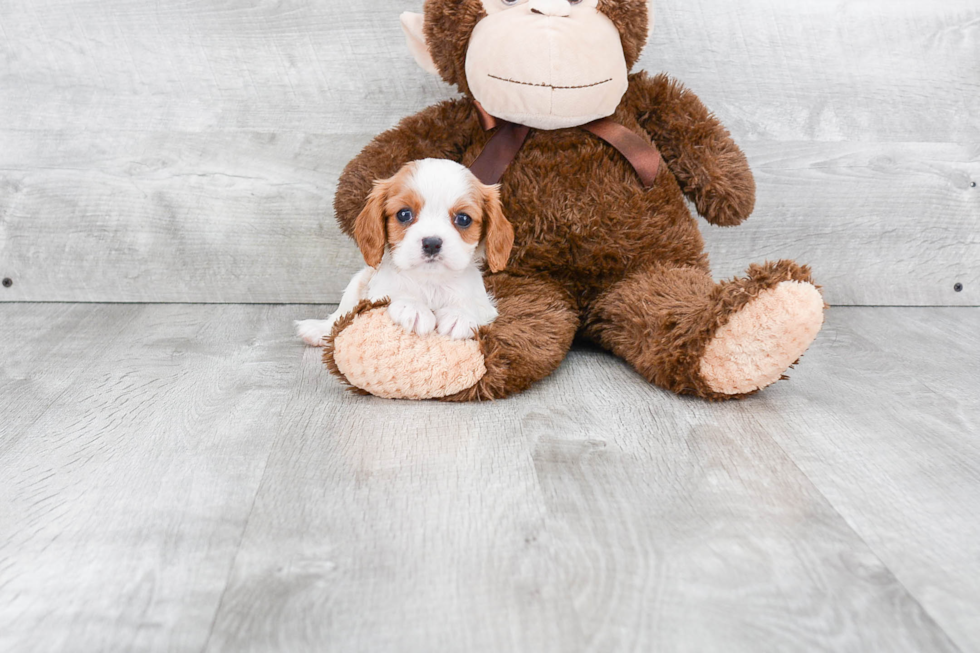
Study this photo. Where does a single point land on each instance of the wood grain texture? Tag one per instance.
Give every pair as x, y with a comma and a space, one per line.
179, 217
889, 430
591, 513
37, 355
190, 478
220, 217
189, 151
901, 70
132, 442
880, 223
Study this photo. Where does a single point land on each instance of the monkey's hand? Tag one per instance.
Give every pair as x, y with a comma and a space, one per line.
711, 170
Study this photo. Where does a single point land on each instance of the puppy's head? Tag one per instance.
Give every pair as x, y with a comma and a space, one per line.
434, 214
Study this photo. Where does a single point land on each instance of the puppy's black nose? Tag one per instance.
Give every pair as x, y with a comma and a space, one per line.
431, 246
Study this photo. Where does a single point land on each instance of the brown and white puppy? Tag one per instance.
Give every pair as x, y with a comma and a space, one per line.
423, 234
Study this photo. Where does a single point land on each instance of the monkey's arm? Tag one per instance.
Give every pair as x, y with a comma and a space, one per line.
712, 171
441, 131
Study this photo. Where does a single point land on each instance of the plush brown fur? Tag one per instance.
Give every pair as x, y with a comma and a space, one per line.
661, 319
528, 340
594, 252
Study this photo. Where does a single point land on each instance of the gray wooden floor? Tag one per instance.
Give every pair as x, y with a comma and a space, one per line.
189, 478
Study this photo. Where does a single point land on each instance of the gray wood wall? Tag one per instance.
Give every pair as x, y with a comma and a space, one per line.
189, 151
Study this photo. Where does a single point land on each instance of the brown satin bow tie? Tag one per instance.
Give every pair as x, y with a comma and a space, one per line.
504, 145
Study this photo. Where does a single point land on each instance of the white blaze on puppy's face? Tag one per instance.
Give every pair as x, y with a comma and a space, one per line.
433, 215
434, 197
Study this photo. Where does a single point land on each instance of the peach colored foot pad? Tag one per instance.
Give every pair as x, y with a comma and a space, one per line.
378, 356
763, 339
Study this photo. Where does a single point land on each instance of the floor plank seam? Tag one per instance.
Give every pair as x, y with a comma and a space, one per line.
234, 559
233, 564
799, 518
860, 537
57, 397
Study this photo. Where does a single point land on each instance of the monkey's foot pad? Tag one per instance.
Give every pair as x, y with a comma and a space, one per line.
373, 354
763, 339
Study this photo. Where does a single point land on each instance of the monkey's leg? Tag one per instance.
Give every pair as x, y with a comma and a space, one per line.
685, 333
527, 341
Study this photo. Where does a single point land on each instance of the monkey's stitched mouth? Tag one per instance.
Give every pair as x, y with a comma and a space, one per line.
559, 88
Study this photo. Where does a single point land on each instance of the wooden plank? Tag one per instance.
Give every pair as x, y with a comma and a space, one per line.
219, 217
248, 217
38, 355
593, 512
189, 151
884, 419
903, 71
887, 70
122, 504
880, 223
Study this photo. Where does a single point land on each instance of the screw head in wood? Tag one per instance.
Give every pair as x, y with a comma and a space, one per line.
7, 282
958, 287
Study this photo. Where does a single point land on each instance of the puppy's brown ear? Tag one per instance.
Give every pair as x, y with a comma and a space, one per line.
369, 226
499, 232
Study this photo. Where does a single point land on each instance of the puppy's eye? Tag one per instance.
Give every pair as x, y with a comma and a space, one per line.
462, 220
405, 216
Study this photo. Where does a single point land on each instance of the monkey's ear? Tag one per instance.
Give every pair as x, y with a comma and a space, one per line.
650, 20
412, 25
500, 233
369, 226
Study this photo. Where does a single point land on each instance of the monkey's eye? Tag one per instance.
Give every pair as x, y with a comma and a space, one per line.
510, 3
462, 220
574, 2
405, 216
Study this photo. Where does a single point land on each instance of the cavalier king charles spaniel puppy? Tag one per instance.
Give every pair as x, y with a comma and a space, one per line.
424, 233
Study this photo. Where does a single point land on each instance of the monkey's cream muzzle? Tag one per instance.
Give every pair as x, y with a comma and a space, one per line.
547, 69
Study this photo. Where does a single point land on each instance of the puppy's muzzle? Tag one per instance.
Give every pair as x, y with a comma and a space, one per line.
431, 246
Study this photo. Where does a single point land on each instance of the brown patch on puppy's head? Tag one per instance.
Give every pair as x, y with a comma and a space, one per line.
489, 224
377, 225
472, 206
369, 227
498, 232
401, 196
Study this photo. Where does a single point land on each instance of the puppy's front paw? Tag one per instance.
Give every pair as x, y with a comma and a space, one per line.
314, 332
412, 317
456, 325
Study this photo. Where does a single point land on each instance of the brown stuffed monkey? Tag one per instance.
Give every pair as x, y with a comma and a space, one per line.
598, 252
